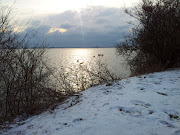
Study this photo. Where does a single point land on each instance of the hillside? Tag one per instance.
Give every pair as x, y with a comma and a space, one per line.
144, 105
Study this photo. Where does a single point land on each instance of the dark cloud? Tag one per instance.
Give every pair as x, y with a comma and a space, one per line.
67, 26
94, 26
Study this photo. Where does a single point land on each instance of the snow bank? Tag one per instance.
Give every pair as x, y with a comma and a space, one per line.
144, 105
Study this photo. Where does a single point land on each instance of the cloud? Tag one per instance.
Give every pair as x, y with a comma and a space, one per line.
19, 29
61, 30
67, 26
93, 26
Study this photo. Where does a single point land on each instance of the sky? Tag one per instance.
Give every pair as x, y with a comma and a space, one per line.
75, 23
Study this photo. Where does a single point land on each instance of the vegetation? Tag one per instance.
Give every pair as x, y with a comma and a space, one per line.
81, 75
25, 85
154, 43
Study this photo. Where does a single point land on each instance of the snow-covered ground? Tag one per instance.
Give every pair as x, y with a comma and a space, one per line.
144, 105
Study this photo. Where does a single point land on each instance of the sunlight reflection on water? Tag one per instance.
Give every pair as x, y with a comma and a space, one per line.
69, 58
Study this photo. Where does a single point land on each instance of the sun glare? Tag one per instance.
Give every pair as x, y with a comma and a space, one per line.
69, 4
81, 52
80, 55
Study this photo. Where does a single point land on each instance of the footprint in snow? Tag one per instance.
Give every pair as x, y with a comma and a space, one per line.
167, 124
157, 83
144, 84
173, 114
77, 120
106, 104
140, 88
70, 124
120, 94
160, 93
122, 109
133, 111
141, 103
107, 92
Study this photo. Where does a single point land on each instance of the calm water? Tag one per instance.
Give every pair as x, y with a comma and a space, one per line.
69, 57
72, 58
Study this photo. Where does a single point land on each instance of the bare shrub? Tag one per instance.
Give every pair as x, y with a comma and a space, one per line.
25, 85
99, 70
82, 75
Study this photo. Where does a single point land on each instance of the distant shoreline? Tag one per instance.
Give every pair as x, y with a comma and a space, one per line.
67, 47
75, 47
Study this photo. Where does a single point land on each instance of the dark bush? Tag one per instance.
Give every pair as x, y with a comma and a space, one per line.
154, 42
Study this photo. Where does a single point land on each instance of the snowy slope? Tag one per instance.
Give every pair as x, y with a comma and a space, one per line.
145, 105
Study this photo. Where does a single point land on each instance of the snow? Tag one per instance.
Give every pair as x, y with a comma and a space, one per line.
143, 105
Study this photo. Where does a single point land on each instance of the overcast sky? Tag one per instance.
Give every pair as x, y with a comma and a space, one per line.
75, 23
